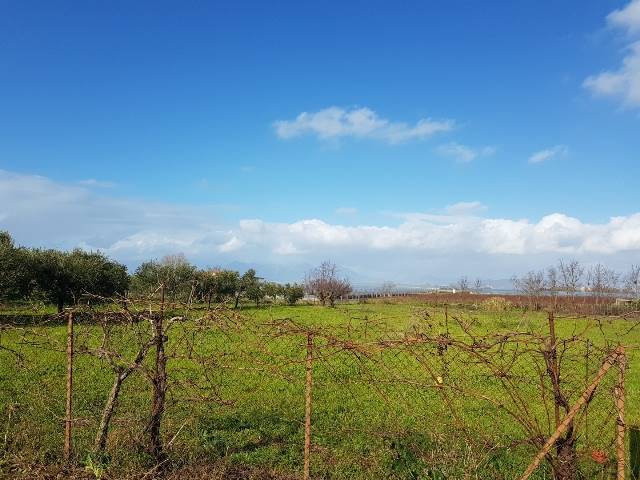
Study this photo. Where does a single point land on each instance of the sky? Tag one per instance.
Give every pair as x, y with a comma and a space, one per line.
405, 141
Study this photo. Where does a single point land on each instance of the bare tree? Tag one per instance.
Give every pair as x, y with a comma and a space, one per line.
632, 281
552, 284
477, 285
323, 282
387, 289
601, 280
531, 284
571, 273
462, 284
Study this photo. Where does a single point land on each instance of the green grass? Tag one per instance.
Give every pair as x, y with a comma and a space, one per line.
377, 413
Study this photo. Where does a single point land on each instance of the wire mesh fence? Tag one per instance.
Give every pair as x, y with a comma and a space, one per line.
449, 395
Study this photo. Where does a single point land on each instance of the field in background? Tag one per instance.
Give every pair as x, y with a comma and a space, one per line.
390, 398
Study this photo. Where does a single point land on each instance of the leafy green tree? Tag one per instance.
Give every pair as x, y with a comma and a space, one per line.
16, 270
255, 292
217, 285
272, 290
208, 285
64, 276
293, 292
173, 272
249, 282
228, 283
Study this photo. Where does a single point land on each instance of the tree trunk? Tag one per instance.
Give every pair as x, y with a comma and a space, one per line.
159, 387
566, 467
237, 300
159, 391
60, 303
109, 407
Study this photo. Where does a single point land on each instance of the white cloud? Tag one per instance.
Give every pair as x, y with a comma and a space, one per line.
549, 154
463, 153
555, 233
627, 18
623, 83
336, 122
231, 245
41, 212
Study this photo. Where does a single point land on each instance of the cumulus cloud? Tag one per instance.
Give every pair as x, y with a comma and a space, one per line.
622, 83
549, 154
41, 212
556, 233
337, 122
464, 153
627, 18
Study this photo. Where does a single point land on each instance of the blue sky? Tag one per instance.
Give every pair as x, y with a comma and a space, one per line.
145, 128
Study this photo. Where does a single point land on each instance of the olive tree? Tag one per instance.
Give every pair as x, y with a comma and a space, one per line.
63, 277
293, 292
16, 270
173, 273
250, 285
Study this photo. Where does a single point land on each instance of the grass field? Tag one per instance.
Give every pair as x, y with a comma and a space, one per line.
236, 394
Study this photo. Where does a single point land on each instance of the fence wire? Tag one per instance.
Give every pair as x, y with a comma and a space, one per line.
449, 396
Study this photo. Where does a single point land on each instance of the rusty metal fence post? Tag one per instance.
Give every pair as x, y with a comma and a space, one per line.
307, 409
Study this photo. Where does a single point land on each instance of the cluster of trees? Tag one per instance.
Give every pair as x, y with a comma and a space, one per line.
54, 276
570, 277
184, 282
62, 278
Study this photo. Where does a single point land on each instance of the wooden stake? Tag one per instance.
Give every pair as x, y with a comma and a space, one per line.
586, 395
69, 406
307, 410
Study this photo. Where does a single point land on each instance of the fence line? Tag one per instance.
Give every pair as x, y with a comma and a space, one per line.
445, 366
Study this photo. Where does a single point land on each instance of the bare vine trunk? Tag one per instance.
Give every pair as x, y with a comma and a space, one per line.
566, 467
100, 442
566, 461
159, 386
120, 376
